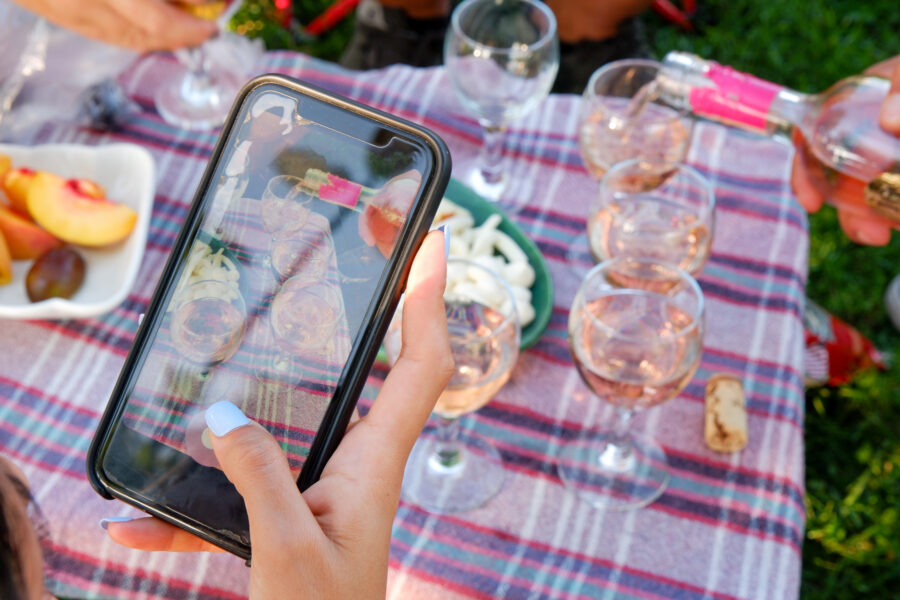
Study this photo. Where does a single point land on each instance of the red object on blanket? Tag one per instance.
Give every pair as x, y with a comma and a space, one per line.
835, 351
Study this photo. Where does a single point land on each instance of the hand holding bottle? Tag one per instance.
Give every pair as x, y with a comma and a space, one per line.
141, 25
859, 228
846, 155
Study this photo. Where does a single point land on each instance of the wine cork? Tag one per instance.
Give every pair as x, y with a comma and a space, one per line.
726, 414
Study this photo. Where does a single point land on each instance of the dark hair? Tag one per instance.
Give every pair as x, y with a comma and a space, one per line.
17, 539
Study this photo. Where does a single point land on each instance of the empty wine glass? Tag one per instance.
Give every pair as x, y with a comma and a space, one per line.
622, 116
636, 336
502, 57
640, 212
208, 323
202, 97
445, 474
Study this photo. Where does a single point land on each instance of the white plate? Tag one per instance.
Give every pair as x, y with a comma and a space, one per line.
127, 172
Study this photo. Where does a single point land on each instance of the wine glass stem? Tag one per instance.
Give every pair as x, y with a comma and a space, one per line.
617, 455
447, 456
492, 153
196, 85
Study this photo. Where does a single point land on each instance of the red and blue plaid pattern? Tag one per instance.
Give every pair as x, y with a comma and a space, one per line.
728, 526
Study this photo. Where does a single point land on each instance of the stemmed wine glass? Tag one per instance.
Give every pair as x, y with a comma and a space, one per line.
445, 474
621, 117
636, 335
202, 97
284, 210
502, 57
641, 212
208, 323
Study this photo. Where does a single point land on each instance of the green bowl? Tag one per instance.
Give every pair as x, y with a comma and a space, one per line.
542, 288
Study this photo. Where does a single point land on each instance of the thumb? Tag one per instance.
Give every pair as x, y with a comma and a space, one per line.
255, 464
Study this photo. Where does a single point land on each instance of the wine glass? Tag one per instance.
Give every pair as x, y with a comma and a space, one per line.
622, 116
305, 316
284, 210
641, 212
309, 252
502, 57
284, 204
636, 336
445, 474
202, 97
208, 323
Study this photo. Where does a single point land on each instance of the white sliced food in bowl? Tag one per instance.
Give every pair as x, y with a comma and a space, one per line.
490, 247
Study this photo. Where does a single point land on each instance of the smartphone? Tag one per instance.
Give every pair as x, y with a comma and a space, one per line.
278, 290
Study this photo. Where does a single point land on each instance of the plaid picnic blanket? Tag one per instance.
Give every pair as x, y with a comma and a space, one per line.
728, 525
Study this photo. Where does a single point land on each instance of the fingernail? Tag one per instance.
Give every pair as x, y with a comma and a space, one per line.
446, 230
889, 116
104, 522
223, 417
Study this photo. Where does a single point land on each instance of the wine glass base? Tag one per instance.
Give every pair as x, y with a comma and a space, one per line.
588, 470
200, 111
473, 480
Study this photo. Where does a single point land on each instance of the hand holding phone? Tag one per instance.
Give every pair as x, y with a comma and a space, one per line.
277, 293
342, 523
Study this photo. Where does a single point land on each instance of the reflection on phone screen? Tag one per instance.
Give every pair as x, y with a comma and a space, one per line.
296, 232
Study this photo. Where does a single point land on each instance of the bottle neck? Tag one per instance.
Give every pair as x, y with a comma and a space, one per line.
723, 94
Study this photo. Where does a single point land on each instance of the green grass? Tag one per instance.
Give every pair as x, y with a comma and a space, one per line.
852, 545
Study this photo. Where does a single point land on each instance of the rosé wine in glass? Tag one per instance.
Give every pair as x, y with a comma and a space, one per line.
445, 474
485, 354
622, 117
638, 212
636, 337
208, 323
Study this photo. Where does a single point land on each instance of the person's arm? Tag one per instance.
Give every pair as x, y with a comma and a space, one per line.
859, 229
579, 20
140, 25
339, 529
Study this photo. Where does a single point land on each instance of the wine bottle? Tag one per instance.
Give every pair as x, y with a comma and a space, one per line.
855, 163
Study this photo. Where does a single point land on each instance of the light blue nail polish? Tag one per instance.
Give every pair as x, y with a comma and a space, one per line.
104, 522
224, 417
446, 230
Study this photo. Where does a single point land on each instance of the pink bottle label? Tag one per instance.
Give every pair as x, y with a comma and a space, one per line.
737, 97
709, 102
340, 191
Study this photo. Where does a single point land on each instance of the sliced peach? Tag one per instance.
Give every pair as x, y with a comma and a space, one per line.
15, 184
24, 239
5, 262
63, 209
90, 188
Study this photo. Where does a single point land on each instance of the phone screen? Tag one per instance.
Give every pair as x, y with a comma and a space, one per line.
292, 240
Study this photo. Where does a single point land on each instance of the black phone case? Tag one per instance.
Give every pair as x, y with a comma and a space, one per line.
355, 371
